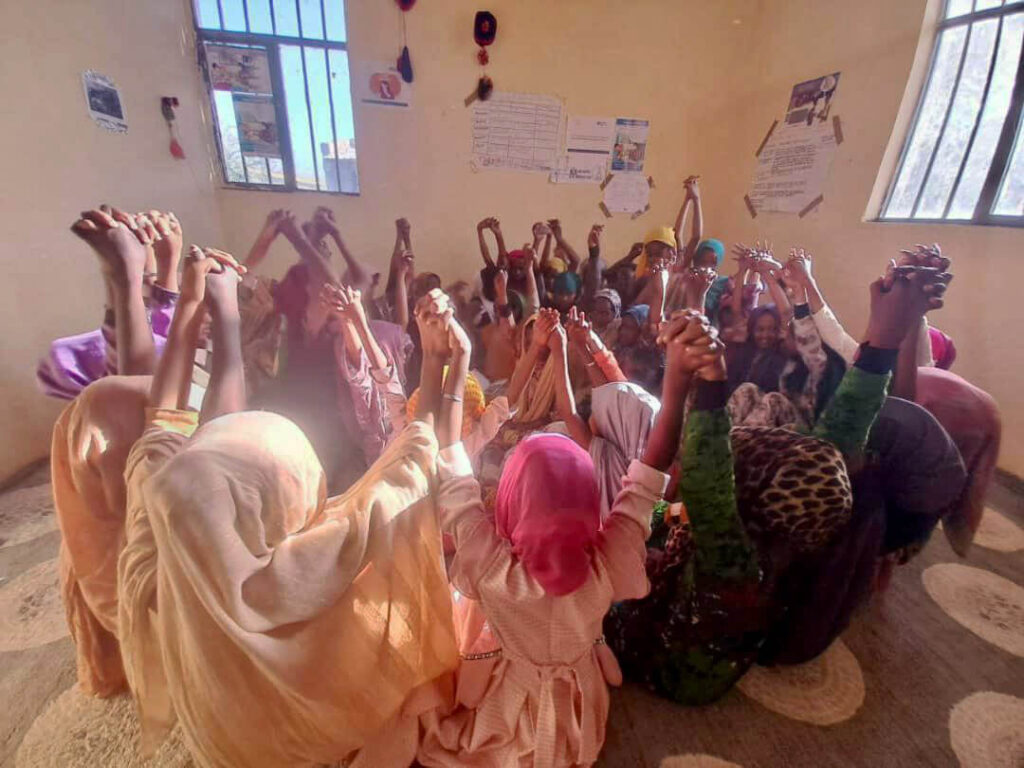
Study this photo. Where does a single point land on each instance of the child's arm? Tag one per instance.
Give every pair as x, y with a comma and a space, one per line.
226, 393
691, 346
261, 247
688, 250
121, 246
323, 270
485, 252
356, 274
565, 403
570, 253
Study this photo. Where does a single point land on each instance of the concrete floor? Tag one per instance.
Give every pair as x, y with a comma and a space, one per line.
887, 692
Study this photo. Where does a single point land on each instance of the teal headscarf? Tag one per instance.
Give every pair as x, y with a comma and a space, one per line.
567, 282
716, 246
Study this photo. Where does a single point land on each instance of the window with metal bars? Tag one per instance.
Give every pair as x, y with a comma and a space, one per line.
278, 77
964, 158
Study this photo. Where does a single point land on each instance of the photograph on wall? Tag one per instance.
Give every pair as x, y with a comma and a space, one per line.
239, 69
810, 102
257, 125
103, 101
630, 146
380, 84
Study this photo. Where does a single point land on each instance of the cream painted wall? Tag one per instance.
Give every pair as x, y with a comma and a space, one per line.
873, 43
666, 61
711, 77
56, 161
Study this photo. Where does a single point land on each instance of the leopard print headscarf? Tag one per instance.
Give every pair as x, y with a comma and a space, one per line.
790, 488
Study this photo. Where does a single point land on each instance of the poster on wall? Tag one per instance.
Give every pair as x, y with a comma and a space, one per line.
242, 70
630, 145
792, 169
627, 192
380, 84
257, 125
588, 149
517, 132
811, 101
103, 101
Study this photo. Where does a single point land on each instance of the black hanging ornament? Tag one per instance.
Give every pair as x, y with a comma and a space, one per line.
404, 63
485, 30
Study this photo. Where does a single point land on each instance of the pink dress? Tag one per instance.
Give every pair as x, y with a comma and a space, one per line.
545, 699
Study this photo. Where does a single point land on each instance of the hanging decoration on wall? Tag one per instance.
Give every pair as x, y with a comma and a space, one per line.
404, 63
485, 30
167, 106
103, 101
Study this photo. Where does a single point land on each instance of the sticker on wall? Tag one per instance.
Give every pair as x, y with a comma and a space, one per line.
103, 101
630, 147
381, 85
811, 101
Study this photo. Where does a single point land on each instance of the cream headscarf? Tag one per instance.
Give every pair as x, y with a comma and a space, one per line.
292, 626
538, 396
623, 414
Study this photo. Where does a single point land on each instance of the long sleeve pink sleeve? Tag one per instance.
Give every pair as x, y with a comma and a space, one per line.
622, 550
477, 544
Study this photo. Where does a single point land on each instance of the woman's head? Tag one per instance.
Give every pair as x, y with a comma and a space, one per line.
642, 365
633, 321
547, 506
765, 327
710, 254
565, 291
606, 307
423, 284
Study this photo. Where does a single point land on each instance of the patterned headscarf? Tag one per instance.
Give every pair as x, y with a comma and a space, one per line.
612, 297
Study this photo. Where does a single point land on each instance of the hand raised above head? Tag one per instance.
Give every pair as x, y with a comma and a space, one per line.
113, 236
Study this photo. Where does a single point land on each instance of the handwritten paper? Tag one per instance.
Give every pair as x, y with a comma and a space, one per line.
517, 131
792, 168
627, 192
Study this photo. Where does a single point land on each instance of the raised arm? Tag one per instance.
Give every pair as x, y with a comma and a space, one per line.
599, 361
565, 402
323, 269
265, 238
688, 249
485, 252
542, 329
506, 320
226, 391
356, 273
121, 244
570, 253
593, 270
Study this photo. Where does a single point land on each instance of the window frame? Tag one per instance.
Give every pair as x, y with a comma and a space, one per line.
270, 43
999, 167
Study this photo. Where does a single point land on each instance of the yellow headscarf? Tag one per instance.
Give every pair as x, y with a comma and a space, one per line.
473, 403
666, 235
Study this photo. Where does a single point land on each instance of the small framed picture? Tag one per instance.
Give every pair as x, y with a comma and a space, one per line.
103, 101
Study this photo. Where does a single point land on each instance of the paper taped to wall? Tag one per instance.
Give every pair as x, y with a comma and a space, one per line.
517, 131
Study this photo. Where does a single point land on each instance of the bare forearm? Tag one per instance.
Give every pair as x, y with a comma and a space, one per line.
664, 440
401, 302
378, 359
430, 388
260, 248
226, 393
449, 427
684, 211
814, 298
521, 375
358, 275
173, 377
136, 353
484, 250
323, 269
904, 383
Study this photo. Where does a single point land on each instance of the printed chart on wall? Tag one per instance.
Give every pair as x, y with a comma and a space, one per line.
380, 84
257, 125
517, 131
795, 159
588, 150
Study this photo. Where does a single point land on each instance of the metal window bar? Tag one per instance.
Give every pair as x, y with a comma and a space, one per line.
270, 43
330, 102
245, 12
977, 119
1004, 147
945, 122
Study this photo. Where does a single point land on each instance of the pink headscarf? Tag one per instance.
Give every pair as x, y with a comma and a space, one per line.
943, 349
549, 508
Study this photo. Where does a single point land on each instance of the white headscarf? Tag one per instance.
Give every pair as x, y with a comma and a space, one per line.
622, 414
